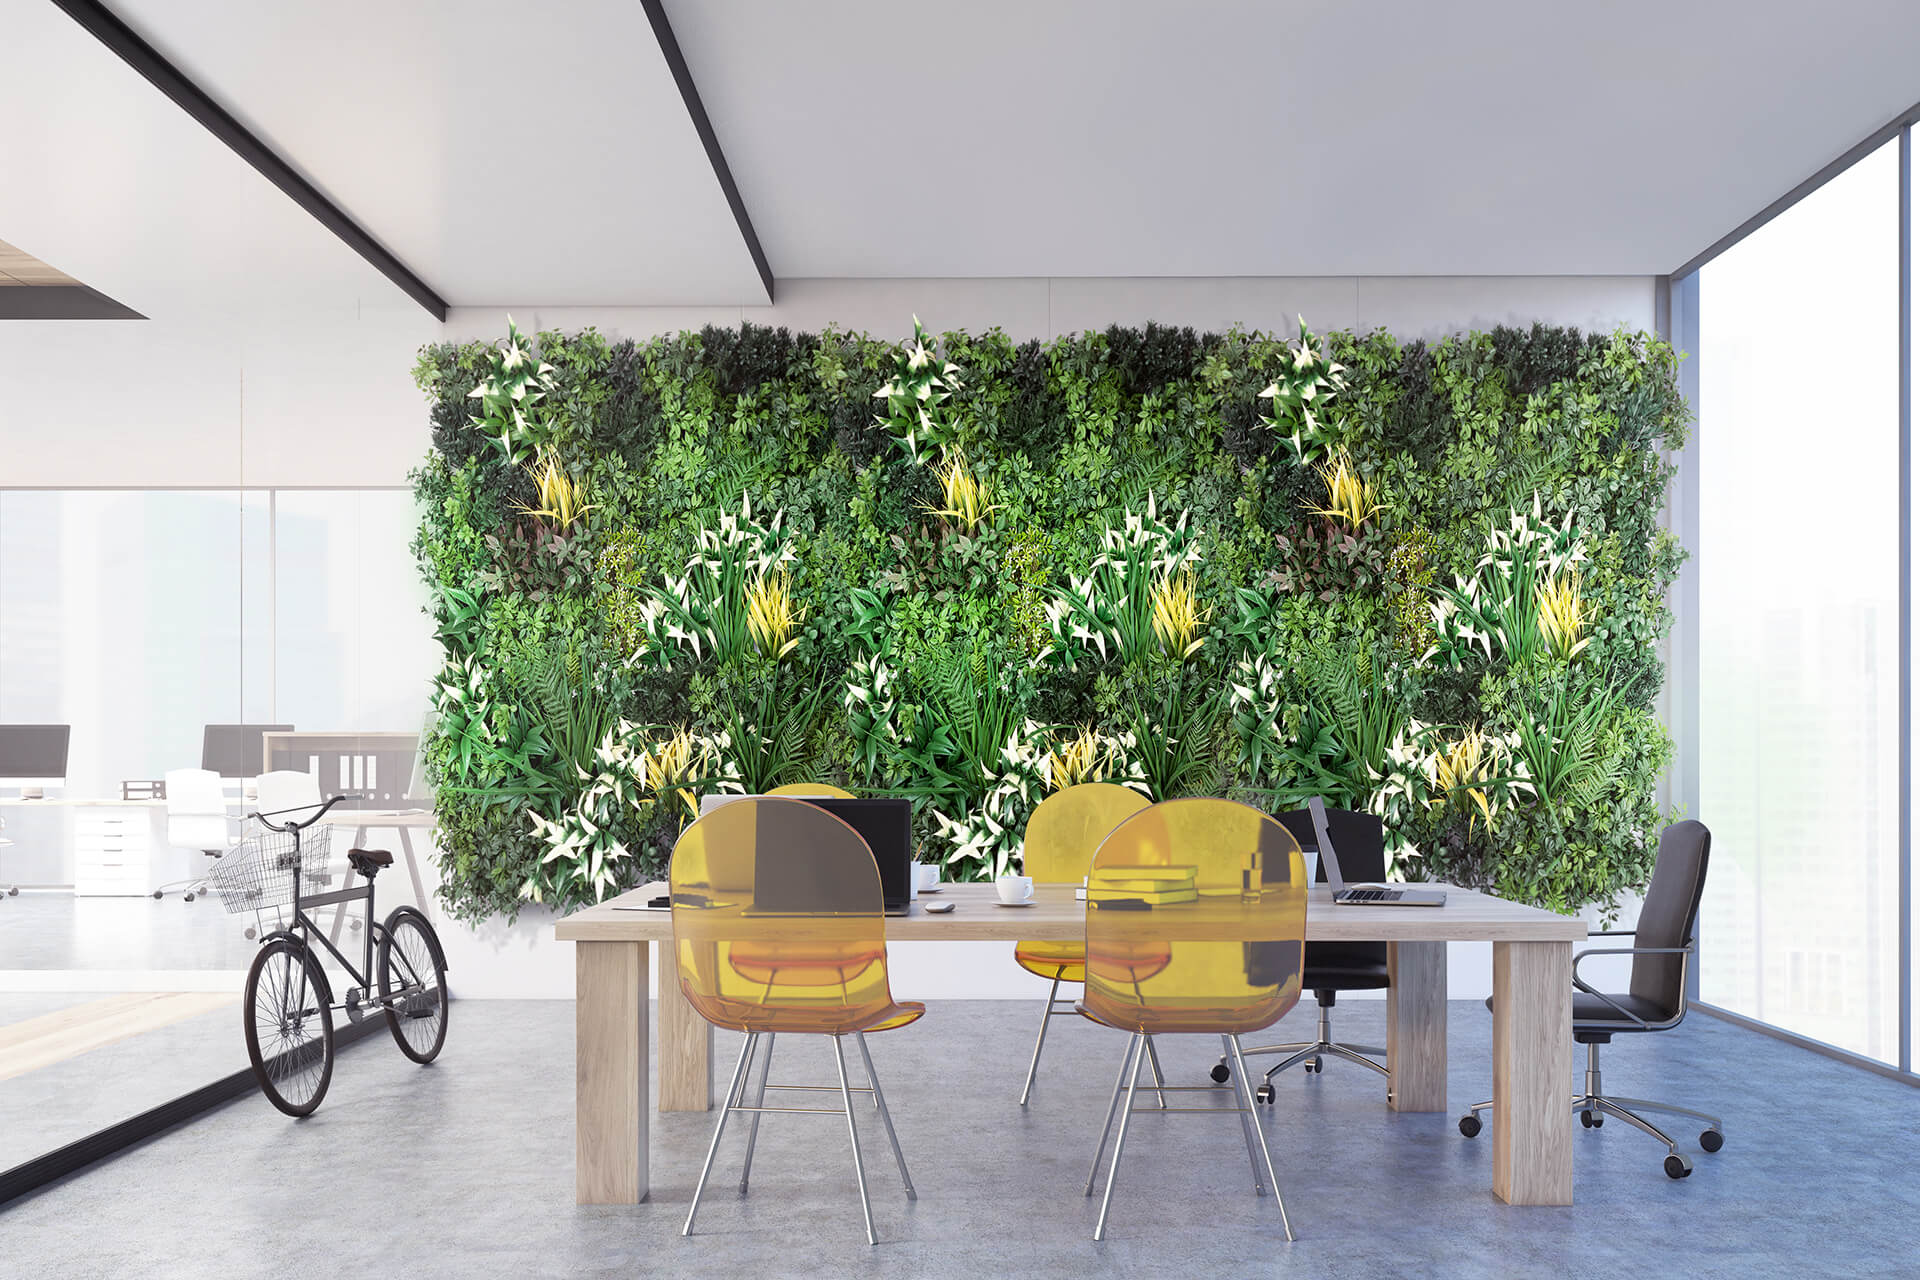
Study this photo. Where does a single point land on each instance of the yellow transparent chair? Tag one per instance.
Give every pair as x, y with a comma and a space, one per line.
778, 927
803, 789
1234, 952
1058, 847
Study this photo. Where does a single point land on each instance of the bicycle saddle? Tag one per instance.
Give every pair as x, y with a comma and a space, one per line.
368, 861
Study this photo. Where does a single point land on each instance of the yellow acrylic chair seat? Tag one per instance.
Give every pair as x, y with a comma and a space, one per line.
778, 926
1232, 953
1057, 848
801, 790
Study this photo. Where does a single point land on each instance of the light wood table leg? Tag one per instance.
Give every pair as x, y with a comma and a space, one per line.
413, 870
1532, 1070
1417, 1026
610, 1072
686, 1045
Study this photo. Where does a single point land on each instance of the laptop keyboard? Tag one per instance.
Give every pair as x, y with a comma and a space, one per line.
1370, 895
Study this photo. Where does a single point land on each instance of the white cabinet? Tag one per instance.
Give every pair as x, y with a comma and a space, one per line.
111, 853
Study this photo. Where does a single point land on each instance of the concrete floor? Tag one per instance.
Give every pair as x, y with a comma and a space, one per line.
64, 1102
466, 1169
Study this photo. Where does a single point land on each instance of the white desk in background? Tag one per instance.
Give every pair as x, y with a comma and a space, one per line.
113, 842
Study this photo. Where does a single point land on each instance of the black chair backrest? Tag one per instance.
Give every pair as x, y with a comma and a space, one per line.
1362, 842
1668, 915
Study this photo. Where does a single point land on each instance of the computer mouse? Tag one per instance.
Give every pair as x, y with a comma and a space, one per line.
938, 908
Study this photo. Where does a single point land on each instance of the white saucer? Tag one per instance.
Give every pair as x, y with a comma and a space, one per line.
1013, 904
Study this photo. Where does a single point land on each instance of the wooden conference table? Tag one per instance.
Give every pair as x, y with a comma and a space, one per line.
1532, 1020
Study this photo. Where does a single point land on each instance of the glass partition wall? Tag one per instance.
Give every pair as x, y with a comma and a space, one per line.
1804, 573
139, 618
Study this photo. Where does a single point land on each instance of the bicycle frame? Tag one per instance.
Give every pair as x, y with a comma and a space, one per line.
309, 931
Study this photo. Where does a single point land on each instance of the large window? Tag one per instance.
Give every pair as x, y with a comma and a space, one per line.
138, 618
1798, 462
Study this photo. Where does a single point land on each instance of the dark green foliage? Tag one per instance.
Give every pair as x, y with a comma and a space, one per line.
1071, 436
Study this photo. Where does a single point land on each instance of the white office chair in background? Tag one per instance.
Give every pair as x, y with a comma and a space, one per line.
287, 789
8, 890
196, 819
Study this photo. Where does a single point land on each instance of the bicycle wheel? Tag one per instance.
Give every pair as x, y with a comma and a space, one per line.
412, 968
289, 1026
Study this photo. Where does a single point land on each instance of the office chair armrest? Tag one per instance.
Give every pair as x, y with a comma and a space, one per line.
1608, 1000
1611, 933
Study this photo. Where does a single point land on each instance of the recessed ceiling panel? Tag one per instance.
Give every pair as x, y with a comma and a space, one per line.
1247, 137
506, 152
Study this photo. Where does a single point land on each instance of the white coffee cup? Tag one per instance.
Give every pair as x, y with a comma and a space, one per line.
926, 876
1014, 890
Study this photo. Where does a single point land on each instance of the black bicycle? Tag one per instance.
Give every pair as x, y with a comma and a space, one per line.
290, 1003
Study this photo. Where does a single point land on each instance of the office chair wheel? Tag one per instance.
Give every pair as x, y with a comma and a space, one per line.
157, 895
1264, 1094
1220, 1073
1591, 1119
1678, 1167
186, 897
1711, 1140
1311, 1066
1469, 1126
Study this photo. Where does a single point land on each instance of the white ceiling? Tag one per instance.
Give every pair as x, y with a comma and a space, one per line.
505, 152
103, 177
1255, 137
514, 155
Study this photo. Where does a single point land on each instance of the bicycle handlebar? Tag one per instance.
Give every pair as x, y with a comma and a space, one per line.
290, 824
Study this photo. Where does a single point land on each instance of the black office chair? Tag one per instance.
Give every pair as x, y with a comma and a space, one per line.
1332, 967
1656, 998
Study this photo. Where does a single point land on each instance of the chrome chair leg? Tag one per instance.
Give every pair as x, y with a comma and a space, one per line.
1246, 1126
1126, 1062
1119, 1142
1642, 1104
1342, 1051
1614, 1109
1266, 1156
1046, 1016
886, 1116
759, 1100
1159, 1081
720, 1127
853, 1134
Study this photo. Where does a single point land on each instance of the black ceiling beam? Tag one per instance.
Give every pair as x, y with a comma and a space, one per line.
677, 63
98, 20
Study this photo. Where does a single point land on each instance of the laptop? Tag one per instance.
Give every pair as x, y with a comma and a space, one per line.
1363, 895
886, 825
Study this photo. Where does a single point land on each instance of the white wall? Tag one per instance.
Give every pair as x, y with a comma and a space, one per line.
326, 398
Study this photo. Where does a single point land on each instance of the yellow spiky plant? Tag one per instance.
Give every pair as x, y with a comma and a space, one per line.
1563, 616
968, 498
561, 498
1077, 760
1465, 770
668, 763
772, 615
1352, 499
1178, 619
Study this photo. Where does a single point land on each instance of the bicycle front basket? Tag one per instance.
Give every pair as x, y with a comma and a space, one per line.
258, 873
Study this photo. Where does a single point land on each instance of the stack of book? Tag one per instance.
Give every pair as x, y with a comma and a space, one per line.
1150, 886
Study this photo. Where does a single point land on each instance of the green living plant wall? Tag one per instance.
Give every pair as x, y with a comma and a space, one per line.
1425, 581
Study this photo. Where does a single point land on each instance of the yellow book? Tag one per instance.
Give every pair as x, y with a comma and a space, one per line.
1177, 875
1152, 897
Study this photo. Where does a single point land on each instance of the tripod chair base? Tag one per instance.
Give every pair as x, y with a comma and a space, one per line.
1310, 1055
736, 1103
1595, 1106
1128, 1081
1055, 1009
